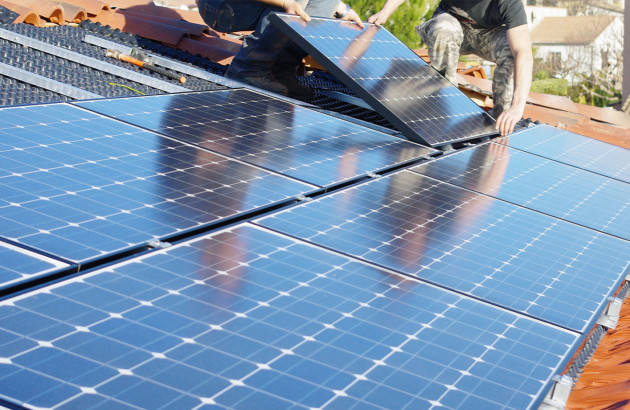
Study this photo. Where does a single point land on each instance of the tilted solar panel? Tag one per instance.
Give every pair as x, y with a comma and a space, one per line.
574, 149
83, 186
391, 78
250, 319
538, 183
468, 242
18, 265
259, 129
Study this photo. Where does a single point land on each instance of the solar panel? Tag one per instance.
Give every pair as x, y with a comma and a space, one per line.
267, 132
249, 319
541, 184
84, 186
391, 78
18, 265
468, 242
574, 149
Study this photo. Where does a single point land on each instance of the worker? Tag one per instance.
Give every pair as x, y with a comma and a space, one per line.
268, 59
495, 30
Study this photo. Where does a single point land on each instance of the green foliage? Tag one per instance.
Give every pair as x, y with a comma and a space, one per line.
592, 92
541, 75
402, 23
555, 86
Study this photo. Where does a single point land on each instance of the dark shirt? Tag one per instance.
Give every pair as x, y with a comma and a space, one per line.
487, 13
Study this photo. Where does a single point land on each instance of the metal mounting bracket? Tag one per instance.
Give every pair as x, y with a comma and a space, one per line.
558, 395
610, 317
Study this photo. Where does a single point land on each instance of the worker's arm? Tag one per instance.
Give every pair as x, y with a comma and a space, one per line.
521, 47
382, 16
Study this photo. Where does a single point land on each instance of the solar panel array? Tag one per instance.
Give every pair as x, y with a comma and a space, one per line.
574, 149
545, 185
295, 141
391, 78
469, 243
402, 290
250, 319
87, 186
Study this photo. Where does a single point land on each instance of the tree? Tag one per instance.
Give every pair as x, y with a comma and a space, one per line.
403, 22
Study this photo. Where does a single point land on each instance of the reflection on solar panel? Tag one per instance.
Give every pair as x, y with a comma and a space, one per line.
574, 149
391, 78
249, 319
540, 184
84, 186
469, 242
265, 131
18, 265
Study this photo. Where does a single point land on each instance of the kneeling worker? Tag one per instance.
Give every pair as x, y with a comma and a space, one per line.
495, 30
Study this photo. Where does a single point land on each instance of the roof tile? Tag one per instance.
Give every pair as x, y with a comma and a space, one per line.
145, 28
570, 30
25, 14
92, 7
192, 29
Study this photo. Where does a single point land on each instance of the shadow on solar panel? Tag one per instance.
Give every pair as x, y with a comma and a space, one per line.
391, 78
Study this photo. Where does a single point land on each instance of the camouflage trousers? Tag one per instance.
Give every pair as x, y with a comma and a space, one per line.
447, 38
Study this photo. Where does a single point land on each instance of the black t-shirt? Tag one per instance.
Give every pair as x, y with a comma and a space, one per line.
487, 13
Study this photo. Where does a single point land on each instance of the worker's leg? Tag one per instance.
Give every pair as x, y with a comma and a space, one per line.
291, 55
443, 36
492, 45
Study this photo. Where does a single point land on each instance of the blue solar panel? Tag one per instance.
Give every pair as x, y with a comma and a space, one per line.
249, 319
292, 140
391, 78
541, 184
18, 265
574, 149
86, 186
468, 242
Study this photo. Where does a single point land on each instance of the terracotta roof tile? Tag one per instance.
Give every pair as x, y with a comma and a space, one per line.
607, 133
152, 9
556, 118
146, 28
129, 3
73, 13
51, 11
25, 14
605, 115
192, 29
570, 30
552, 101
92, 7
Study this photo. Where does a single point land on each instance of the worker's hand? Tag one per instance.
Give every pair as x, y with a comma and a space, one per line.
293, 7
379, 18
353, 16
508, 119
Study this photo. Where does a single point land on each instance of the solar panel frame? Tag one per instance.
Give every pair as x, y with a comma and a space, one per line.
84, 186
470, 243
275, 135
246, 317
574, 194
573, 149
19, 265
475, 122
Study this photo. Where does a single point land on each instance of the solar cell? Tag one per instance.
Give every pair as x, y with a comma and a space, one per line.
574, 149
267, 132
249, 319
391, 78
468, 242
18, 265
84, 186
541, 184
